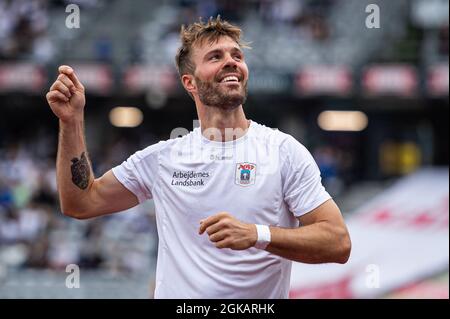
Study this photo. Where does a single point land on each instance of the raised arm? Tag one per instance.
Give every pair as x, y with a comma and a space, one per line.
81, 195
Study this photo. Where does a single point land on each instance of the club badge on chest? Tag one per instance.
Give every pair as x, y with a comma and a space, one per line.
245, 174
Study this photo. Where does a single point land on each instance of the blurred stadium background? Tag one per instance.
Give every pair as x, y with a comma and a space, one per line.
385, 161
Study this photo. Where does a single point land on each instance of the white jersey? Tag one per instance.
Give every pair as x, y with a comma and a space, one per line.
265, 177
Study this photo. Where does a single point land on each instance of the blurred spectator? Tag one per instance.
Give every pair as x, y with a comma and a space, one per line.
43, 50
103, 48
443, 41
328, 161
207, 8
318, 28
286, 11
21, 22
136, 49
9, 228
85, 3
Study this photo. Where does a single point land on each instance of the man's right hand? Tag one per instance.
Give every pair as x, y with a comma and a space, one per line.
66, 96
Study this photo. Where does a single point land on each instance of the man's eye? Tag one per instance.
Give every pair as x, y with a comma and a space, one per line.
214, 57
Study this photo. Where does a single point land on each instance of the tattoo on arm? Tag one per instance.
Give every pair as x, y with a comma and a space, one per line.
80, 171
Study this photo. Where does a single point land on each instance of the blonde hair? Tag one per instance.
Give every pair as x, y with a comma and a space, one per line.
197, 33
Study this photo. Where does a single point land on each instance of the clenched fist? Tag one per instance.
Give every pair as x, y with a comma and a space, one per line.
66, 96
225, 231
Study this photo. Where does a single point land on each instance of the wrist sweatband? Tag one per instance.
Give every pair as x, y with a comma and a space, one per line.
263, 240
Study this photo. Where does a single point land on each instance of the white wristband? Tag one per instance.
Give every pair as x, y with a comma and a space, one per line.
263, 240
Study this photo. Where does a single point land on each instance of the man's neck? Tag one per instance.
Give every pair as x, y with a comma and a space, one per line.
222, 125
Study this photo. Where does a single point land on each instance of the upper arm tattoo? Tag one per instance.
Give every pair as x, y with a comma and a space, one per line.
81, 171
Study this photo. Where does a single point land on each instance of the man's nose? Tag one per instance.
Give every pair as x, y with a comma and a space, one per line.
229, 61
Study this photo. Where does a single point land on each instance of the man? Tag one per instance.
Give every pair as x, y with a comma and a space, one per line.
229, 196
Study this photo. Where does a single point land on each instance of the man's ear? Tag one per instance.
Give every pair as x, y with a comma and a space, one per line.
188, 82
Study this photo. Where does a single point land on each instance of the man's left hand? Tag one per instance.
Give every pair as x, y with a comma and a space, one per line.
225, 231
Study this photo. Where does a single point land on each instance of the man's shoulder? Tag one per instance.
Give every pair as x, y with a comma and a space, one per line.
168, 144
288, 147
273, 135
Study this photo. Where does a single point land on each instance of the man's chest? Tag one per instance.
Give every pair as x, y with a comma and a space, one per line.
241, 185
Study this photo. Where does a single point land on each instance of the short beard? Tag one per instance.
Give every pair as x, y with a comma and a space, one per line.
209, 94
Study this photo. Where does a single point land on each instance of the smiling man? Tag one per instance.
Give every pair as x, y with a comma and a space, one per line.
236, 201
